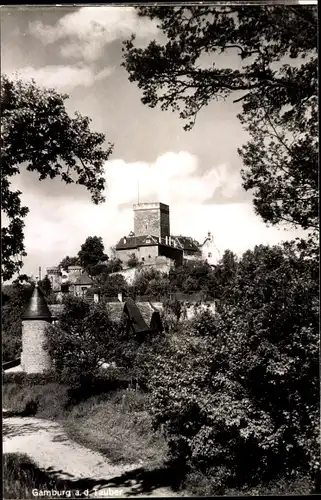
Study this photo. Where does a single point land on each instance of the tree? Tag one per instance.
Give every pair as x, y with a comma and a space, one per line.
142, 280
224, 275
111, 285
193, 277
68, 261
276, 81
45, 286
18, 296
158, 287
245, 382
91, 253
83, 339
132, 261
114, 265
37, 134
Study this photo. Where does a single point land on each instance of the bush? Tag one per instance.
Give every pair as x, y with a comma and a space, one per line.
18, 297
119, 427
22, 378
202, 485
48, 401
83, 339
150, 282
173, 311
109, 285
245, 382
132, 261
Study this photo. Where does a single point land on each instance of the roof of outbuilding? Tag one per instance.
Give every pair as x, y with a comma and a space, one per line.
83, 279
37, 307
187, 243
136, 241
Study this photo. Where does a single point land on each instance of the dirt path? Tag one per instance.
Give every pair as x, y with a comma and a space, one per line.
46, 444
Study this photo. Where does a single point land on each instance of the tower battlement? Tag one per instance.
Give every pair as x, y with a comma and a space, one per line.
53, 270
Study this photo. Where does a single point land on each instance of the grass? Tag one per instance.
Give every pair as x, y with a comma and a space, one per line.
46, 401
119, 427
21, 476
115, 423
200, 485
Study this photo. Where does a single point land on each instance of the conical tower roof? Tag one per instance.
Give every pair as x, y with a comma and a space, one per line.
37, 307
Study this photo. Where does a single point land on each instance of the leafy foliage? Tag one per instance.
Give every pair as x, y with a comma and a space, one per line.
18, 296
225, 274
132, 261
37, 134
45, 285
193, 277
110, 285
92, 252
68, 261
114, 265
149, 282
275, 79
82, 340
245, 382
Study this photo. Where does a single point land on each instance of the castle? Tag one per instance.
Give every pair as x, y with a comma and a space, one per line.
151, 243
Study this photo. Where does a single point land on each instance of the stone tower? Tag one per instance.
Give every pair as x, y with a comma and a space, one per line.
152, 219
34, 359
54, 276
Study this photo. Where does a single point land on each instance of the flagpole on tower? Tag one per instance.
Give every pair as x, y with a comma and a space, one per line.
138, 191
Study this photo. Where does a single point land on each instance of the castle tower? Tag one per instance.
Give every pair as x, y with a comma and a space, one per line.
34, 359
54, 275
152, 219
74, 272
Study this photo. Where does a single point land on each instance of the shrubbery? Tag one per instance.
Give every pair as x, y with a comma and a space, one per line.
150, 282
81, 342
18, 297
237, 394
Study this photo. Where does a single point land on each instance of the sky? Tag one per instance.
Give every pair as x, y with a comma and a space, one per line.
78, 51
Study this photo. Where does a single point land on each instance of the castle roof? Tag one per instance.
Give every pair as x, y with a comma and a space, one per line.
128, 242
83, 279
37, 308
187, 243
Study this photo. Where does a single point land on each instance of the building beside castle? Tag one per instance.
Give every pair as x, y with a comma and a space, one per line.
75, 281
210, 252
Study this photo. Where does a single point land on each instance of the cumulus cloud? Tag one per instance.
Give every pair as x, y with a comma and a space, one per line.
57, 226
85, 32
172, 178
64, 77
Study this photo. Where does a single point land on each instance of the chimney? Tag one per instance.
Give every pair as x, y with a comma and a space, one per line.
209, 235
125, 240
39, 273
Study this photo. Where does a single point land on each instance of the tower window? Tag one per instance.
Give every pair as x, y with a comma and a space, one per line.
209, 255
